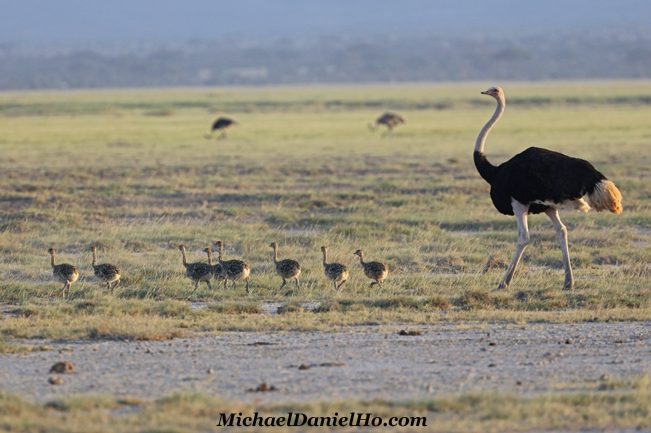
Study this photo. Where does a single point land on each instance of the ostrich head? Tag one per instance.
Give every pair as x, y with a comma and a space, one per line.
51, 251
358, 253
273, 245
495, 92
181, 247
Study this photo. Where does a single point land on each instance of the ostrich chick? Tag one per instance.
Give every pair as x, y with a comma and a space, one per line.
64, 273
233, 270
197, 271
374, 270
287, 269
335, 272
106, 272
216, 268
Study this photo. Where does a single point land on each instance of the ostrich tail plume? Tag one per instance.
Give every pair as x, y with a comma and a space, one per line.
606, 196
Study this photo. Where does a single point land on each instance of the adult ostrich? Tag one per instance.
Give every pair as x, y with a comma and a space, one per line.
540, 180
221, 124
390, 120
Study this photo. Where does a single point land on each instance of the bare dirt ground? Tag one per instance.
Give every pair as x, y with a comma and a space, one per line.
358, 363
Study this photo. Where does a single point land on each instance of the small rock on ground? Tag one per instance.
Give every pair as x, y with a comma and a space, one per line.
63, 367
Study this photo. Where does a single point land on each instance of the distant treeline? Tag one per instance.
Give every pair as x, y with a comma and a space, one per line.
329, 60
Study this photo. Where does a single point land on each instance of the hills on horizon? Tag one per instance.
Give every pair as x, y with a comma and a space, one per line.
60, 44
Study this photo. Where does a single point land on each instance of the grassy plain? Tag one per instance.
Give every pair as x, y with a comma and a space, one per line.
605, 406
130, 172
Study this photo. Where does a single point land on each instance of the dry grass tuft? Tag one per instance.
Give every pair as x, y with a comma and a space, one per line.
607, 405
236, 308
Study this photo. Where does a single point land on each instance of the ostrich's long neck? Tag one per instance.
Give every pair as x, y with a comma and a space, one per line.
275, 255
361, 258
52, 254
485, 168
481, 139
221, 249
185, 260
94, 258
325, 257
209, 257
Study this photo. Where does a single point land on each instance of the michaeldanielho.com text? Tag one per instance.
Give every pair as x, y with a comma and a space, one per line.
300, 419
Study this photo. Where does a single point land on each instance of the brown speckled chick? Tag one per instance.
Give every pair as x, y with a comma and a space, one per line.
374, 270
287, 269
106, 272
198, 271
233, 270
335, 272
64, 273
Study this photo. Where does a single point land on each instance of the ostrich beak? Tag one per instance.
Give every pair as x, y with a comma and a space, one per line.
484, 93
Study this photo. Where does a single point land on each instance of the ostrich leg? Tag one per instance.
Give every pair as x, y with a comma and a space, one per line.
520, 211
561, 235
196, 285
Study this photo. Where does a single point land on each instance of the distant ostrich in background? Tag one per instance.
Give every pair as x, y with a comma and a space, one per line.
221, 124
539, 180
391, 120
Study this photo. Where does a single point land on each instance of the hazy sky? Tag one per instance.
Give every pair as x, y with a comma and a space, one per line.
79, 21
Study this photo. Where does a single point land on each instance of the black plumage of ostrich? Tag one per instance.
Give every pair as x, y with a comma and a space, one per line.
540, 180
221, 124
390, 120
